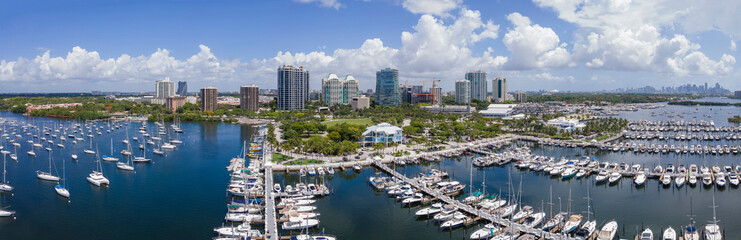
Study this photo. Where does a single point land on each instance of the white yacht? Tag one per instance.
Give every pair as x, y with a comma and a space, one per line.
647, 235
300, 224
572, 224
96, 177
608, 231
669, 234
485, 233
47, 175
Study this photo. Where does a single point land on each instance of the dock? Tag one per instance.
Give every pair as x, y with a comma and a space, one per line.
469, 209
271, 225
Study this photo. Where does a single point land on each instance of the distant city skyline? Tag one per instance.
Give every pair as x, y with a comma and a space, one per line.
53, 46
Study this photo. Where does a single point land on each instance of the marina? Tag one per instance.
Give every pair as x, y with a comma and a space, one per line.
343, 194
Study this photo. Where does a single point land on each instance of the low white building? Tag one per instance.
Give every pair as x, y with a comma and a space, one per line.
498, 110
463, 110
566, 124
382, 133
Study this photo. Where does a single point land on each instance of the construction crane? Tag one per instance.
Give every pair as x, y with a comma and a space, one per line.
432, 91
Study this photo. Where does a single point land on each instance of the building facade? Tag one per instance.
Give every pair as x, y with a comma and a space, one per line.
248, 97
499, 89
164, 88
360, 102
293, 87
182, 88
339, 91
209, 98
174, 102
463, 92
382, 133
521, 97
737, 94
437, 93
387, 87
479, 88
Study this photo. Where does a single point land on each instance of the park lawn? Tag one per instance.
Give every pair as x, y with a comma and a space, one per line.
277, 157
356, 121
303, 162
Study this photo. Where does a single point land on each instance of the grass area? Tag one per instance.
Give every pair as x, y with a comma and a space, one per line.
303, 162
603, 137
356, 121
277, 157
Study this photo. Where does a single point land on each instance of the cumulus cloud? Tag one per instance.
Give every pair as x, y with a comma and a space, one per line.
433, 7
533, 46
324, 3
434, 49
626, 35
81, 65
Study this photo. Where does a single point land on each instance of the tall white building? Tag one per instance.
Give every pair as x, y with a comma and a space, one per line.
463, 91
499, 89
339, 91
479, 90
293, 87
164, 89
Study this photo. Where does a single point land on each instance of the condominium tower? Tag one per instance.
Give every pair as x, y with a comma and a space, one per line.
248, 97
463, 92
339, 91
499, 89
209, 98
164, 88
387, 87
293, 87
182, 88
478, 80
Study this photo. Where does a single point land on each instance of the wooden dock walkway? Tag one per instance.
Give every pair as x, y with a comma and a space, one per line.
271, 225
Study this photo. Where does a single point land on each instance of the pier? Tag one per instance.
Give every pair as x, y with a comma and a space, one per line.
469, 209
271, 225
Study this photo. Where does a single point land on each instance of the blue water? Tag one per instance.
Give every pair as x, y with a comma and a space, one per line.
179, 196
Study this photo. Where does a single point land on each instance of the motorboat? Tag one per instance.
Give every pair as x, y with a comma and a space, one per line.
485, 233
534, 219
97, 179
639, 179
457, 221
647, 235
608, 231
614, 177
429, 211
243, 230
300, 224
669, 234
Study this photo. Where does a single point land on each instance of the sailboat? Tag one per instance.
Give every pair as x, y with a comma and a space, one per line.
74, 154
4, 186
90, 151
712, 230
4, 212
690, 232
110, 158
47, 175
61, 189
143, 158
14, 155
587, 229
126, 165
96, 177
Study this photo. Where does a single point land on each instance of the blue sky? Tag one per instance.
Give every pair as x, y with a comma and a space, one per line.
73, 46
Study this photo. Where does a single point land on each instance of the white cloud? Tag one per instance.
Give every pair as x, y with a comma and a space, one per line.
626, 35
434, 49
533, 46
83, 66
324, 3
733, 45
433, 7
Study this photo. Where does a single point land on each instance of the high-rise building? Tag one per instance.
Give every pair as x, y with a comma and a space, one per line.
438, 94
174, 102
209, 98
463, 91
293, 87
499, 89
248, 96
164, 89
737, 94
479, 90
182, 88
521, 97
339, 91
387, 87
